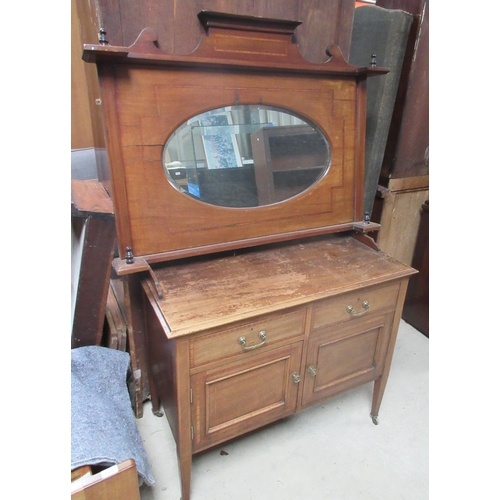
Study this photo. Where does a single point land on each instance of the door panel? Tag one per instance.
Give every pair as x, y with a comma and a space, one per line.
239, 397
344, 357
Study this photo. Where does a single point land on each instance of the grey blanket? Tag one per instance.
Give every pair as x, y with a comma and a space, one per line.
103, 427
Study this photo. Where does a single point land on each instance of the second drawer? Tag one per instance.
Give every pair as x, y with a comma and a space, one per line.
353, 305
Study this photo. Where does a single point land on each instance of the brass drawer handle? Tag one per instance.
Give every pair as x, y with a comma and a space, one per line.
243, 341
366, 306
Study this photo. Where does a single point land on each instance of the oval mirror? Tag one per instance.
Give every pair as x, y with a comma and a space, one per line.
245, 156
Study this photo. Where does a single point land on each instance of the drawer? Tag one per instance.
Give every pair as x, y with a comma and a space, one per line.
247, 338
353, 305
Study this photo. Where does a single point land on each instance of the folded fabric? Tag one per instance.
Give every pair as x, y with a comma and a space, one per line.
103, 427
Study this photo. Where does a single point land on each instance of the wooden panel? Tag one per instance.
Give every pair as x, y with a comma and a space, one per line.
89, 198
80, 472
115, 331
400, 219
331, 311
86, 120
93, 282
114, 483
346, 357
81, 126
90, 202
179, 32
416, 309
220, 411
211, 292
152, 216
224, 345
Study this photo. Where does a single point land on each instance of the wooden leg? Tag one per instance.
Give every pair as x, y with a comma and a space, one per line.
155, 399
381, 382
184, 441
185, 471
378, 393
136, 342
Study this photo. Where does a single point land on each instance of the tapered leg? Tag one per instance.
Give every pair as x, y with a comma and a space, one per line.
185, 471
378, 393
184, 444
381, 382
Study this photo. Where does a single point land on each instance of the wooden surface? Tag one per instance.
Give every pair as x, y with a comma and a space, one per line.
81, 127
85, 470
208, 292
118, 482
323, 21
89, 198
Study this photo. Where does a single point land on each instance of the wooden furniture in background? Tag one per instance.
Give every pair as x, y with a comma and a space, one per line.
397, 208
117, 482
274, 154
102, 312
92, 212
87, 132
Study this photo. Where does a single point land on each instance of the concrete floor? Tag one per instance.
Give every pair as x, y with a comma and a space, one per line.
329, 451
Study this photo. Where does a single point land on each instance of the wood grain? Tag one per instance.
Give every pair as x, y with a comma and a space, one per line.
209, 292
147, 93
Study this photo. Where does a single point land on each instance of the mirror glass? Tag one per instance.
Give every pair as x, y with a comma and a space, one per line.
245, 156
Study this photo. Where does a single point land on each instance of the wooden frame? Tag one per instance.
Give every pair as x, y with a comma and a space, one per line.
147, 94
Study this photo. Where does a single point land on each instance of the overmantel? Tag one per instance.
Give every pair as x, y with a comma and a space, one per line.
281, 53
148, 94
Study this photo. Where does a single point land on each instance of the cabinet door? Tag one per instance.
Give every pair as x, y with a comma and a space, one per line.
240, 397
343, 357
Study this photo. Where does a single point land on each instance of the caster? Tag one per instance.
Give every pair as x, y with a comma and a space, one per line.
158, 413
374, 419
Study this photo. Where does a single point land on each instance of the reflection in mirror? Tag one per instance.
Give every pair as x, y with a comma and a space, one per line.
245, 156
